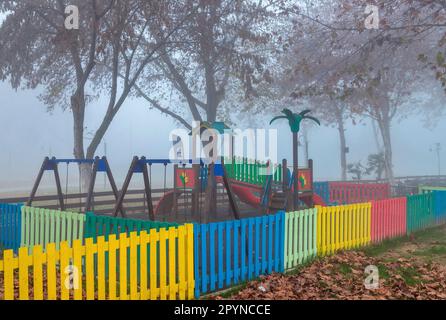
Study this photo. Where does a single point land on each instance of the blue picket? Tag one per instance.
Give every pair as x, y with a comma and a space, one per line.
264, 262
10, 226
204, 260
270, 246
196, 252
220, 256
242, 250
440, 206
212, 255
257, 247
276, 242
250, 264
236, 270
230, 252
281, 232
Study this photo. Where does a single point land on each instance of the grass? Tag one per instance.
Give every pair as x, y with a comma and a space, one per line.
383, 271
345, 269
297, 269
432, 251
428, 243
385, 246
410, 276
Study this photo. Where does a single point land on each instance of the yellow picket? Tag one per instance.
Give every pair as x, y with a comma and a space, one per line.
89, 268
51, 271
172, 264
101, 267
23, 273
8, 273
64, 276
133, 266
38, 272
123, 244
77, 269
112, 246
143, 242
162, 262
181, 263
154, 236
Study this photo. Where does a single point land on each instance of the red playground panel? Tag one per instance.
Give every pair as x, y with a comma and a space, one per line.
351, 192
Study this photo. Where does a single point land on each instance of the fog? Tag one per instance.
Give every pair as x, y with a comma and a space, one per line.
29, 133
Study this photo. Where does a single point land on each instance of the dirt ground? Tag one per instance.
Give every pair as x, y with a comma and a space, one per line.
409, 268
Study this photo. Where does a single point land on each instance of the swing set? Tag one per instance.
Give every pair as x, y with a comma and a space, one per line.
97, 165
192, 178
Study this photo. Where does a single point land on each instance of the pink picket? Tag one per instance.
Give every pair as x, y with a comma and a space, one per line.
388, 219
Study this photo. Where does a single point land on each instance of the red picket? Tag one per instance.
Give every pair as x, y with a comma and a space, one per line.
388, 219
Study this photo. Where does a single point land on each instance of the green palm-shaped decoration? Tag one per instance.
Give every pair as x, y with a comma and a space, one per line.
294, 119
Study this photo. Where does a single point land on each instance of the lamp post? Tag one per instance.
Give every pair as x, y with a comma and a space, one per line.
437, 148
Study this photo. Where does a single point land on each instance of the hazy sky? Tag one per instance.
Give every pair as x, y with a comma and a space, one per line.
29, 134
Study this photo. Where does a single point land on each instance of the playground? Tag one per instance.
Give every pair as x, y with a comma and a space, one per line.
222, 150
221, 225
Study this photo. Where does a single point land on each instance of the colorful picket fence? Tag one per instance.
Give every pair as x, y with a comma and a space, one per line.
420, 212
227, 253
351, 192
131, 259
41, 226
300, 237
10, 226
167, 274
343, 227
96, 226
388, 219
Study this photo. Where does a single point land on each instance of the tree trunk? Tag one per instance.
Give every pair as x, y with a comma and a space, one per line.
343, 146
384, 125
295, 171
376, 136
78, 110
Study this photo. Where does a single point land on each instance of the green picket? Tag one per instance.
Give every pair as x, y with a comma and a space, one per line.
300, 237
43, 226
420, 212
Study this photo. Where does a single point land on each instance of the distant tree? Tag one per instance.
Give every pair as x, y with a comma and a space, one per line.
357, 170
376, 164
332, 105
